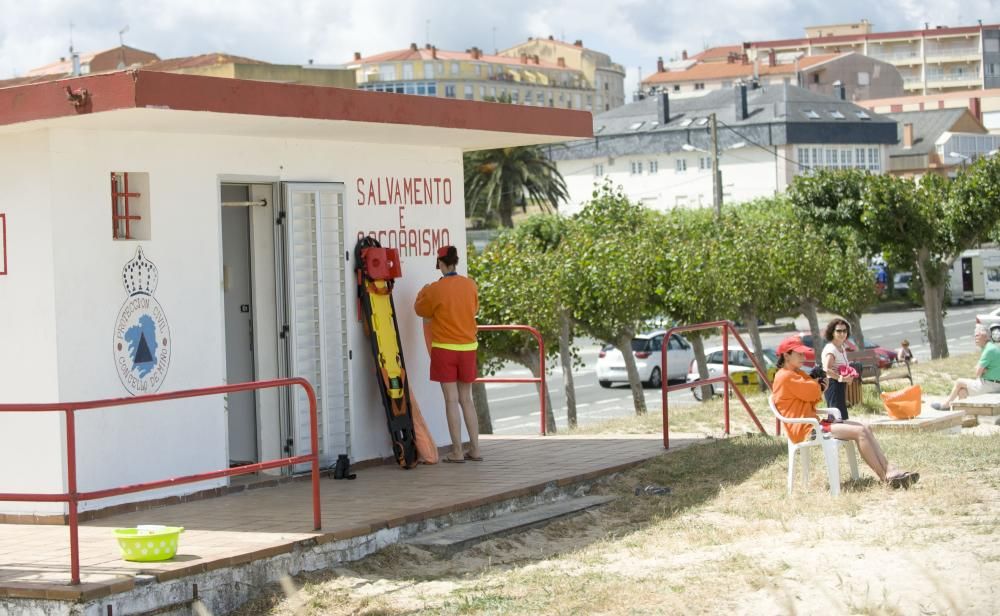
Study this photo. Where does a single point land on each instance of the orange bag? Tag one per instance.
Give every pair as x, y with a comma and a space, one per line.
427, 452
902, 404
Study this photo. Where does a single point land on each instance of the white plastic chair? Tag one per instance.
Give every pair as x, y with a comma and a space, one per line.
830, 450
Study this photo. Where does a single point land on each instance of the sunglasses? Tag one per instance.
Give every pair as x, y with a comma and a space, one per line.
840, 331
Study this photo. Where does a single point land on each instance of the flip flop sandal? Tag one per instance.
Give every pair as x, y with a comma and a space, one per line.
452, 461
473, 458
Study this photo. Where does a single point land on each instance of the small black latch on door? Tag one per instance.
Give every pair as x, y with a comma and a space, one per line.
244, 307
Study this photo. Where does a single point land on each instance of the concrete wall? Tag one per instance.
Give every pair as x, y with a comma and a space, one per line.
31, 445
71, 297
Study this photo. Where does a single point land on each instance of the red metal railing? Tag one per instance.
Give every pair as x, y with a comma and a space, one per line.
541, 365
72, 497
726, 326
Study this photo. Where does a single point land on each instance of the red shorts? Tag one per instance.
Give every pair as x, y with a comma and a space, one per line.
449, 366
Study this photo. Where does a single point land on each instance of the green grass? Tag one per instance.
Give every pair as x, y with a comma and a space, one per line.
727, 539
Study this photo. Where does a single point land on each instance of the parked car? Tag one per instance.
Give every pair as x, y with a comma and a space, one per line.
901, 283
738, 362
647, 349
990, 318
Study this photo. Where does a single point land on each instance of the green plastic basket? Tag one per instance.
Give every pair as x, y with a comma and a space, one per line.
149, 543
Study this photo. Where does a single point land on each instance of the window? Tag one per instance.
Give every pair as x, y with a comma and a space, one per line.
836, 115
704, 162
686, 122
479, 69
699, 86
482, 92
859, 157
862, 115
701, 121
129, 205
815, 77
540, 98
469, 93
598, 170
991, 45
428, 70
449, 90
515, 96
407, 70
677, 87
864, 78
845, 159
454, 68
828, 154
803, 157
493, 92
680, 165
874, 159
654, 167
387, 72
809, 113
636, 125
636, 167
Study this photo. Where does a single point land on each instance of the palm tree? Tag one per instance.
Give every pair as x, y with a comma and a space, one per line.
497, 181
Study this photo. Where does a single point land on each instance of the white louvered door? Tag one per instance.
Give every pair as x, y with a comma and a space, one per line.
317, 313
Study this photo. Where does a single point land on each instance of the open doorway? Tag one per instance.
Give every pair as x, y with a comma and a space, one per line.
257, 421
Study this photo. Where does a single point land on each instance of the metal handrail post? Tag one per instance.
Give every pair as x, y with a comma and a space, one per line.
72, 503
725, 371
539, 380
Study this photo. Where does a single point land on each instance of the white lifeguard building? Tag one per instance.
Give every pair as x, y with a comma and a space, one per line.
163, 232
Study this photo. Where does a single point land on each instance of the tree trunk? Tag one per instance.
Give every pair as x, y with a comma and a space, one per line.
934, 284
699, 357
856, 332
566, 358
808, 308
530, 359
750, 318
507, 217
638, 397
482, 404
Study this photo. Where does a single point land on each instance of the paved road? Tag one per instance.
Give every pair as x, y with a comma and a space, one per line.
514, 407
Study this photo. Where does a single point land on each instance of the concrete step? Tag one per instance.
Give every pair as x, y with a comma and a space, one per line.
460, 536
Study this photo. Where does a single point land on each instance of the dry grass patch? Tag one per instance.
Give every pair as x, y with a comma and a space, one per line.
727, 540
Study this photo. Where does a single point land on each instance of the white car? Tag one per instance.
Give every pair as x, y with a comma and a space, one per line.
647, 349
738, 362
990, 318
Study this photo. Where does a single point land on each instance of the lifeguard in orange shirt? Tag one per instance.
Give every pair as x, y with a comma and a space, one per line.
451, 304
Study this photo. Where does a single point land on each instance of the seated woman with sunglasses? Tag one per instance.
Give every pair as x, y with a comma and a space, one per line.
796, 395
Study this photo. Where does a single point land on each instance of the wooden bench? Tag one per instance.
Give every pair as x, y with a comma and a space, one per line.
870, 372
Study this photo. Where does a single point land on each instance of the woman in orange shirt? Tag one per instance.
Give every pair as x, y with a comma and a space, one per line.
451, 304
796, 395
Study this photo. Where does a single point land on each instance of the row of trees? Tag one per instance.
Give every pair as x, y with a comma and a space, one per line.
617, 268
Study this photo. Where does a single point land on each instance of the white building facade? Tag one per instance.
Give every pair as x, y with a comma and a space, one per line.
659, 151
246, 201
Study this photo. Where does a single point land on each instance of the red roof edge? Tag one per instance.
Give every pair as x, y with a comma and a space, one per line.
873, 36
140, 88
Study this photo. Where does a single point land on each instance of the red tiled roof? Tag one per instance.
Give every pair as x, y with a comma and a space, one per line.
709, 71
716, 53
427, 55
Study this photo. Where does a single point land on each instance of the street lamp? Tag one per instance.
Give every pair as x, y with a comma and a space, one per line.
965, 159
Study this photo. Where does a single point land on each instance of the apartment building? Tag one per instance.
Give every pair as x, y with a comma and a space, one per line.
545, 73
984, 105
931, 60
721, 68
659, 150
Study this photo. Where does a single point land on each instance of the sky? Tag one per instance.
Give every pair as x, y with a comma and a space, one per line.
633, 32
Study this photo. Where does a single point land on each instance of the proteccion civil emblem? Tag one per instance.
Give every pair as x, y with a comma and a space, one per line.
142, 335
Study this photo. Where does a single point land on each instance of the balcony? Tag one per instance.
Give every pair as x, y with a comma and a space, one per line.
953, 80
954, 54
904, 57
